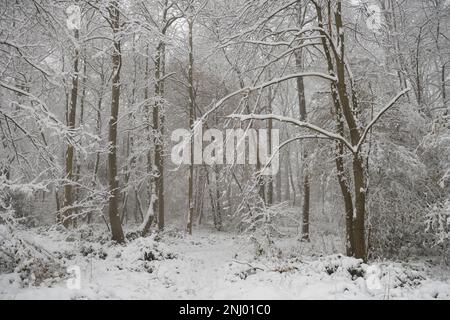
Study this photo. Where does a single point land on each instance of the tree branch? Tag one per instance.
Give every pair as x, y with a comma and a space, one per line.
298, 123
378, 116
247, 90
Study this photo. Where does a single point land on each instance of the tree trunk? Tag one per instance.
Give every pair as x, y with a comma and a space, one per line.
348, 199
269, 131
444, 93
191, 126
278, 184
71, 116
305, 173
113, 179
259, 179
360, 208
354, 214
218, 223
146, 224
158, 125
355, 135
288, 179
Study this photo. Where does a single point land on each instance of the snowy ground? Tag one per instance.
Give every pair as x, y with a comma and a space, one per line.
215, 265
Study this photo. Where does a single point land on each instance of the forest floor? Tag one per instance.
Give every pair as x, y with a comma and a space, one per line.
208, 265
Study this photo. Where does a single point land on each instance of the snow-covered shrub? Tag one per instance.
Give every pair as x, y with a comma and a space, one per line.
406, 164
338, 264
37, 270
265, 225
17, 254
438, 223
33, 263
7, 258
145, 253
7, 254
22, 205
398, 196
436, 152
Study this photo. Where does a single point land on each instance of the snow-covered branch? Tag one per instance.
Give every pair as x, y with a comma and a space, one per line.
261, 86
298, 123
378, 116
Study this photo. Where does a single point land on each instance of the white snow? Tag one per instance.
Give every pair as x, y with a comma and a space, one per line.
218, 265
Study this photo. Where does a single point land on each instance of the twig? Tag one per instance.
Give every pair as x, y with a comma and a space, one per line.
248, 264
104, 219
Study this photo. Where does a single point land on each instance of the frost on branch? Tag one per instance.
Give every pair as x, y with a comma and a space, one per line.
438, 223
33, 263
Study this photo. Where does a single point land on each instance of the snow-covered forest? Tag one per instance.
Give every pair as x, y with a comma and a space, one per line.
224, 149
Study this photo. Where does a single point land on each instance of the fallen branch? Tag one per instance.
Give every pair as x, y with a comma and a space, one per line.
248, 264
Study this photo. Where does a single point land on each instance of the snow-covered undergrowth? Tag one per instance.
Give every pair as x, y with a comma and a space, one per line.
207, 265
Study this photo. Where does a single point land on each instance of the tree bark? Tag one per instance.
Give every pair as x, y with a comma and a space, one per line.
191, 126
70, 151
269, 132
355, 236
305, 173
355, 135
113, 179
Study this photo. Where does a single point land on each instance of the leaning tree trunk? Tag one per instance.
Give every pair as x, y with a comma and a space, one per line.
149, 216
